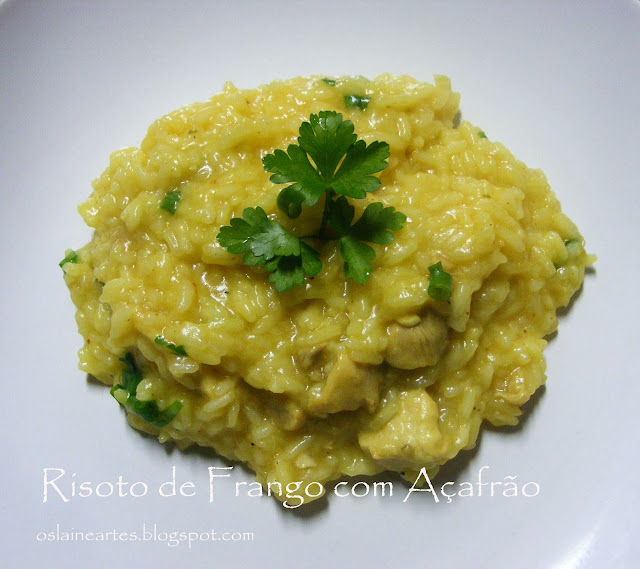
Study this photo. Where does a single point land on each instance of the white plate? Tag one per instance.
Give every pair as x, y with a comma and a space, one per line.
556, 82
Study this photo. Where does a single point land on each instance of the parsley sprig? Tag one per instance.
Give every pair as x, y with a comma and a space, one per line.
267, 244
342, 164
329, 161
125, 394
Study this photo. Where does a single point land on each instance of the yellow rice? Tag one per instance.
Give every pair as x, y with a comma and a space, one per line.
493, 222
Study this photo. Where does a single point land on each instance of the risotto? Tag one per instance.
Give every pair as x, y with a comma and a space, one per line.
334, 376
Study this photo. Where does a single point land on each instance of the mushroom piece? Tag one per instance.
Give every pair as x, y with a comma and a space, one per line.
348, 386
420, 345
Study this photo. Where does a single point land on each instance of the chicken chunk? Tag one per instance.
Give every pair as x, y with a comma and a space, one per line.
285, 413
314, 360
348, 386
411, 438
420, 345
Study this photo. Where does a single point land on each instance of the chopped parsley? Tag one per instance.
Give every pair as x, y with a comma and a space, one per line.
482, 134
72, 257
439, 283
125, 394
574, 247
178, 350
331, 82
357, 101
170, 201
328, 162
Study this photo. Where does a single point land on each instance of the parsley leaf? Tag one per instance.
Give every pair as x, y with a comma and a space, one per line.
374, 225
266, 243
131, 375
377, 224
178, 350
482, 134
357, 101
326, 138
357, 256
353, 178
340, 215
258, 236
330, 82
125, 394
291, 166
341, 163
289, 271
439, 283
170, 201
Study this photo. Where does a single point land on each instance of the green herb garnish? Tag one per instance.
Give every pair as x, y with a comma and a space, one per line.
375, 225
342, 164
439, 283
125, 394
328, 81
574, 247
267, 244
178, 350
329, 161
482, 134
70, 258
357, 101
170, 201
